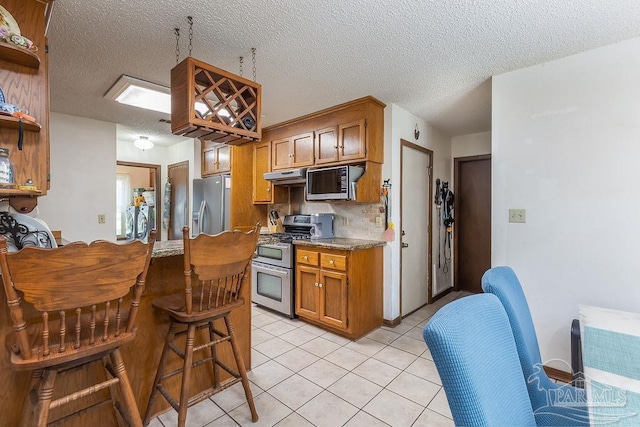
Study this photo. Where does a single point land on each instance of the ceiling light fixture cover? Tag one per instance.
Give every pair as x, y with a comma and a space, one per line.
142, 94
143, 143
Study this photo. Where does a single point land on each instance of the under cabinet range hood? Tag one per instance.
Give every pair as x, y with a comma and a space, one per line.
287, 177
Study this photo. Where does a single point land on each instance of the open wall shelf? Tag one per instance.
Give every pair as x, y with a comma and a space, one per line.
18, 55
12, 123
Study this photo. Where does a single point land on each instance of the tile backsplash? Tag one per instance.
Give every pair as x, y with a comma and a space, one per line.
352, 220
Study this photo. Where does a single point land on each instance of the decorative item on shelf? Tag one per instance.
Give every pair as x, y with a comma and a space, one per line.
18, 112
143, 143
213, 104
6, 170
10, 32
29, 185
416, 132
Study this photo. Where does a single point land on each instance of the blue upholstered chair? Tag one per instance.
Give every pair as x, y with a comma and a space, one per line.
553, 404
472, 345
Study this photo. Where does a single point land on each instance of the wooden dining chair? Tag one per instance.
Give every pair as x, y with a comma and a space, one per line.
72, 306
221, 266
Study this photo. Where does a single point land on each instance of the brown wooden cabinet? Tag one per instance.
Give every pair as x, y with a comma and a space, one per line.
216, 158
293, 152
264, 192
25, 82
343, 143
340, 290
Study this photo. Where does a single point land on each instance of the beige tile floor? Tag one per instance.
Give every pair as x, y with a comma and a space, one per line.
305, 376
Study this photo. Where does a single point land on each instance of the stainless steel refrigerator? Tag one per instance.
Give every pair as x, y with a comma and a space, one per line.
211, 205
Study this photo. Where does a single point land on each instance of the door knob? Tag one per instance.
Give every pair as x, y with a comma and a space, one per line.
405, 245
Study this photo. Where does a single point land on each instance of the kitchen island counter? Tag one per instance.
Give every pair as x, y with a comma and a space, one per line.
341, 243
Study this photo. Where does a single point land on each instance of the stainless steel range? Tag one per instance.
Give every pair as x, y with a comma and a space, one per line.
273, 268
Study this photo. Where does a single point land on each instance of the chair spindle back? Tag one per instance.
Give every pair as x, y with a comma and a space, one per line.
79, 291
220, 263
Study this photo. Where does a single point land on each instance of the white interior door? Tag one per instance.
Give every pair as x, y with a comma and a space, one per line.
415, 229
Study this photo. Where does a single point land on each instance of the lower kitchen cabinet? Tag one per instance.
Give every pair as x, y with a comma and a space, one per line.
340, 290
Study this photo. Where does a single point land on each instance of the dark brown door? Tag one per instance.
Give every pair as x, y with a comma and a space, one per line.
178, 174
472, 224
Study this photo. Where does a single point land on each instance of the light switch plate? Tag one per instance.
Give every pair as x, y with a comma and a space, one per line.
517, 215
101, 219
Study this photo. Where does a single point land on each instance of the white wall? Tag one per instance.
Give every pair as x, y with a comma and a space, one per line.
83, 169
473, 144
400, 124
83, 175
565, 147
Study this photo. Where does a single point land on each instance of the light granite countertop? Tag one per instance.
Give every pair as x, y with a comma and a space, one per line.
341, 243
166, 248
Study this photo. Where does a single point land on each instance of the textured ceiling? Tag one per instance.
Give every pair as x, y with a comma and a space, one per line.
433, 58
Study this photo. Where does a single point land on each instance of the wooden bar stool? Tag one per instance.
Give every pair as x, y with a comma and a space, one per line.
221, 264
71, 306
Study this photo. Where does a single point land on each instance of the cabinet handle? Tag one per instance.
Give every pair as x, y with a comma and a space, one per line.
331, 262
319, 285
268, 189
315, 284
306, 258
335, 146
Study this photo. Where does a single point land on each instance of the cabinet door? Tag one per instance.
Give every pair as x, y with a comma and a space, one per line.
262, 189
307, 290
223, 158
327, 145
208, 161
281, 154
333, 299
302, 149
352, 140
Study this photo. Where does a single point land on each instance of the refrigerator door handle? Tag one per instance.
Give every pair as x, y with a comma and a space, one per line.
203, 211
200, 217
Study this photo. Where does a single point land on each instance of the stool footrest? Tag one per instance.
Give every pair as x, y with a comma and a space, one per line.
211, 343
84, 392
62, 421
163, 391
211, 391
177, 350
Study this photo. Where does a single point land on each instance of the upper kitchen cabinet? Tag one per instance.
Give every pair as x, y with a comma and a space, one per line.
216, 158
293, 152
347, 133
342, 143
24, 81
264, 192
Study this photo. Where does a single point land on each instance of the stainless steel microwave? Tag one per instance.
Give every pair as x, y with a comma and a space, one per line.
334, 183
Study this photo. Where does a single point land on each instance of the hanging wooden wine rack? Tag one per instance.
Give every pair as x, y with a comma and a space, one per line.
213, 104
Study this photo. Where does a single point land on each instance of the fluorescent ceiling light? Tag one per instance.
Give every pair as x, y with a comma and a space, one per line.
142, 94
139, 93
143, 143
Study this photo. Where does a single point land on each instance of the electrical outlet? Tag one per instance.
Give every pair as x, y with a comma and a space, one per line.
517, 215
101, 219
378, 221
